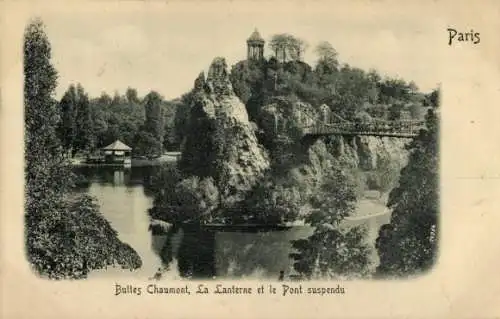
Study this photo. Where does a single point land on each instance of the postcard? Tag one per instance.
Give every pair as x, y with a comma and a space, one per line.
250, 159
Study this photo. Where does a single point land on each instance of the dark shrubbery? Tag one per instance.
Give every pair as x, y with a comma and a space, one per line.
75, 239
333, 251
408, 245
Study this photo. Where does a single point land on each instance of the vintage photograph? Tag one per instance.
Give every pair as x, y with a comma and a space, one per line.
244, 147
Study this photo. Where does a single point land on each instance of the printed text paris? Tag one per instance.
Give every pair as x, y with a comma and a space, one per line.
457, 36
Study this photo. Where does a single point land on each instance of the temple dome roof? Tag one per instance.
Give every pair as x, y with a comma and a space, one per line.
255, 37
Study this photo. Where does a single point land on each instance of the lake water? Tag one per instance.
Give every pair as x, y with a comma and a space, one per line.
124, 200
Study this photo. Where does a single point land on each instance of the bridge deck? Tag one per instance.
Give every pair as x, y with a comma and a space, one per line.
353, 133
389, 129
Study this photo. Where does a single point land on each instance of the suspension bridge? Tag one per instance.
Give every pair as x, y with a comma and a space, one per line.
332, 124
399, 129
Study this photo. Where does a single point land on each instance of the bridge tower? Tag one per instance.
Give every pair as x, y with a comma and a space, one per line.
255, 46
325, 113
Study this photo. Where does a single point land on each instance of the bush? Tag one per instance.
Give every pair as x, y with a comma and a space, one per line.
332, 253
70, 242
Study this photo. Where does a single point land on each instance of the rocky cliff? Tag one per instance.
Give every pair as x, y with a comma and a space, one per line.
374, 161
369, 152
221, 142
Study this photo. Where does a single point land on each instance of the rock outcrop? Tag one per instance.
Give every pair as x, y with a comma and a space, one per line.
287, 117
374, 161
369, 152
221, 141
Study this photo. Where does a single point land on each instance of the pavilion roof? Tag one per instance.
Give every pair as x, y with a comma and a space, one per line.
117, 146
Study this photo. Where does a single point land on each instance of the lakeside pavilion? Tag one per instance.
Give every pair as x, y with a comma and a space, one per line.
117, 152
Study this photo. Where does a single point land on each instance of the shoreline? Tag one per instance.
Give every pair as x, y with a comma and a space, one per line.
134, 163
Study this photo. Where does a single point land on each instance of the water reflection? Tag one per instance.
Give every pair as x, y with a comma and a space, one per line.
124, 202
203, 253
126, 194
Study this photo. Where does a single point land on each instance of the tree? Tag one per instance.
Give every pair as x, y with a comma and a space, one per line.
154, 123
352, 91
412, 87
76, 128
373, 92
46, 172
99, 123
287, 47
146, 144
104, 100
388, 174
326, 69
181, 120
116, 118
117, 99
67, 126
169, 111
395, 111
433, 98
417, 112
408, 245
333, 251
163, 187
327, 58
394, 89
374, 76
162, 184
84, 139
335, 199
297, 47
198, 198
131, 95
274, 202
44, 163
279, 44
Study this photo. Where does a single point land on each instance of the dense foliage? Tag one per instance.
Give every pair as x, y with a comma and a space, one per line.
75, 239
66, 237
147, 125
273, 203
348, 91
154, 123
76, 126
408, 245
116, 118
287, 47
178, 199
333, 251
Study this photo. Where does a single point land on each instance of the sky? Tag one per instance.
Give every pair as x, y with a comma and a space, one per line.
165, 47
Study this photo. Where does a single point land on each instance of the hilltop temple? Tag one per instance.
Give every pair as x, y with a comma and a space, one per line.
255, 46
